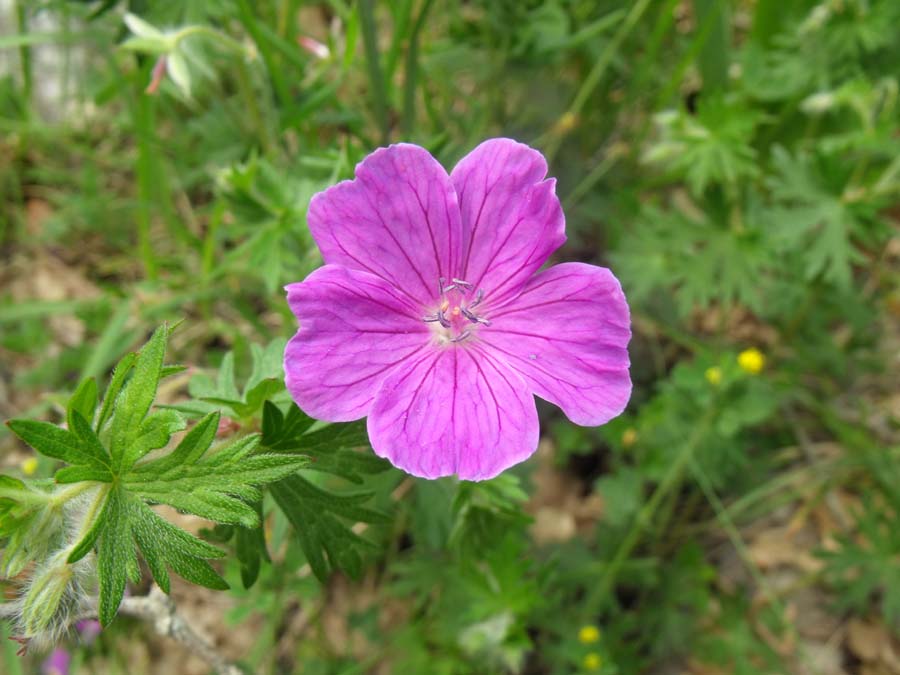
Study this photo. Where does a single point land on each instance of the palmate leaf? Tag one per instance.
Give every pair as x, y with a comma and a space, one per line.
712, 147
320, 517
814, 218
265, 381
108, 449
732, 265
332, 448
214, 486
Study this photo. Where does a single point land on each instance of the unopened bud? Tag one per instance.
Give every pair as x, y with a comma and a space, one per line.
46, 597
156, 77
314, 47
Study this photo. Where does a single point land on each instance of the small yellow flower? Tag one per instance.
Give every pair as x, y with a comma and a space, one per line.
751, 361
588, 634
629, 438
565, 124
29, 466
592, 661
713, 375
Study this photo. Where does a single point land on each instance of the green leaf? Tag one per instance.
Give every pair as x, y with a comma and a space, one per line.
52, 441
622, 494
89, 439
333, 448
266, 381
177, 67
142, 28
77, 474
222, 483
250, 547
326, 540
225, 382
172, 369
137, 396
115, 552
162, 544
196, 442
126, 522
266, 362
212, 485
814, 219
121, 371
154, 432
83, 401
713, 146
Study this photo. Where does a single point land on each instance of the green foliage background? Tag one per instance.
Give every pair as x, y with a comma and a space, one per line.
737, 164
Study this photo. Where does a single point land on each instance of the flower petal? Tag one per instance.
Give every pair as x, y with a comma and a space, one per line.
399, 220
567, 334
454, 410
512, 220
354, 329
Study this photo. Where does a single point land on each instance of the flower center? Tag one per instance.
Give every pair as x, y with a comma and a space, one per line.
455, 319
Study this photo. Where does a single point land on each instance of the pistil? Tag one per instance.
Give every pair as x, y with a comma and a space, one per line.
450, 317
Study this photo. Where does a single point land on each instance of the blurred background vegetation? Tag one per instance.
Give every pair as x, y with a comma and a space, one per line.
737, 164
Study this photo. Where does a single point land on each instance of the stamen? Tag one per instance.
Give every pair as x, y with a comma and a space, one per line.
460, 282
462, 336
479, 296
443, 319
466, 313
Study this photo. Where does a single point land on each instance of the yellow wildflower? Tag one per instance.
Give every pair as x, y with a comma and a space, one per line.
588, 634
751, 361
29, 466
713, 375
592, 661
629, 438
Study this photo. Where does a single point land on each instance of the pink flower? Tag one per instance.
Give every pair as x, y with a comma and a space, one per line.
431, 318
88, 630
57, 663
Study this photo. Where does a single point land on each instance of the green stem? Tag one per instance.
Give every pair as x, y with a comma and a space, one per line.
727, 524
275, 75
593, 79
90, 515
596, 594
145, 114
373, 66
220, 38
412, 71
254, 112
66, 494
24, 55
588, 182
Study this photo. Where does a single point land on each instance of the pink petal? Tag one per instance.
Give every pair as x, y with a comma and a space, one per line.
354, 328
399, 220
454, 410
567, 334
511, 217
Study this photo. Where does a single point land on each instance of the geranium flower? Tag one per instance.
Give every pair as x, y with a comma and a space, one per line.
430, 316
